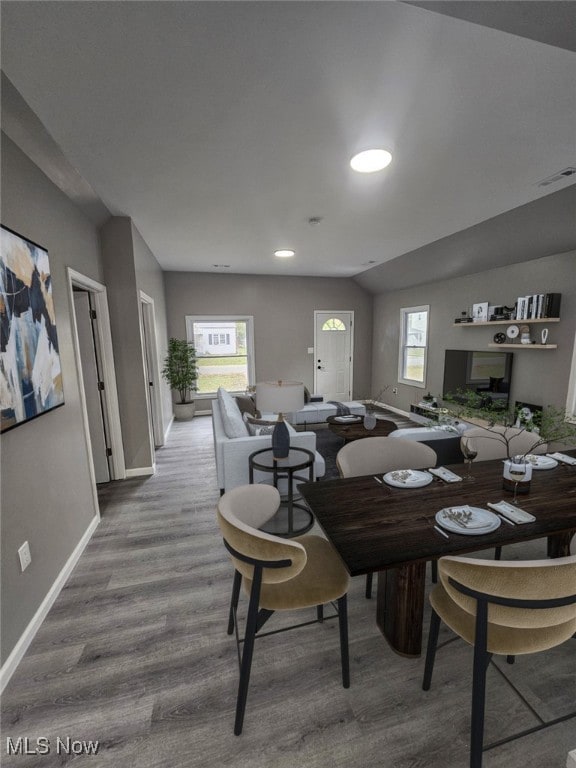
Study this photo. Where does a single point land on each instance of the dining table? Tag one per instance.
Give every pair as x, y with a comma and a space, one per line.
393, 531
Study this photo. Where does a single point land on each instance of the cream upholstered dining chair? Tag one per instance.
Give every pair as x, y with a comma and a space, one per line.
509, 608
490, 443
277, 574
490, 446
377, 455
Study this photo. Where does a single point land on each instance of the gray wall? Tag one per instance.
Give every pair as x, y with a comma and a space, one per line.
46, 495
538, 376
283, 310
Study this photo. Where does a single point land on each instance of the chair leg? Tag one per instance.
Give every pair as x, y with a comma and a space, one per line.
248, 650
234, 600
369, 577
434, 567
498, 553
481, 659
510, 659
431, 650
343, 623
320, 613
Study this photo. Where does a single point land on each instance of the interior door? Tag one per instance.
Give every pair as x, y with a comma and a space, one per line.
333, 355
92, 385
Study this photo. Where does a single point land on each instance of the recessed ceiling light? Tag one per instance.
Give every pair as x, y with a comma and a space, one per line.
284, 253
371, 160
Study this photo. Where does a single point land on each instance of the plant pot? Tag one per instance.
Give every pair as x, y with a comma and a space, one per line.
509, 480
184, 411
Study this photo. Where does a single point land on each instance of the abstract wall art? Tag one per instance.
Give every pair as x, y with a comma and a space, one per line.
30, 372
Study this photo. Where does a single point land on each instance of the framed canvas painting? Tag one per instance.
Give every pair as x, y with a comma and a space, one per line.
30, 372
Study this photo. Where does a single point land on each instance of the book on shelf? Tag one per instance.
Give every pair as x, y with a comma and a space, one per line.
538, 306
552, 305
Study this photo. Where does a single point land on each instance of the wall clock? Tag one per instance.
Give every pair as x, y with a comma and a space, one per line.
500, 338
512, 331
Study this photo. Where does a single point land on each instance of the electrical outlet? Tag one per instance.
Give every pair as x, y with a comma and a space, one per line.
395, 391
25, 556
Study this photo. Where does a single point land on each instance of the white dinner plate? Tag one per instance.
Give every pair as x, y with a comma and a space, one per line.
481, 521
541, 462
408, 478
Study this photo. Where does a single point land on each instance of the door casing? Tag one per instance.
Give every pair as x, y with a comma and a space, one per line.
334, 313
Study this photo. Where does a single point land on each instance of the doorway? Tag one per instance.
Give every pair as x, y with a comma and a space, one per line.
94, 393
92, 342
333, 354
151, 371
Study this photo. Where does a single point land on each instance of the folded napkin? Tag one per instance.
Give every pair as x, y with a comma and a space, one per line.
517, 515
445, 474
563, 457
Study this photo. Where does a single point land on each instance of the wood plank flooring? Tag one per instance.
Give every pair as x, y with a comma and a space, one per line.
135, 654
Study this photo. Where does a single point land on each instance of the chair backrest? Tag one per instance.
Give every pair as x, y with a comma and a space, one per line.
491, 445
520, 580
374, 455
241, 512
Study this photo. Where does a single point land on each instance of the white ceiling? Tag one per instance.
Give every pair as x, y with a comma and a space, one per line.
220, 128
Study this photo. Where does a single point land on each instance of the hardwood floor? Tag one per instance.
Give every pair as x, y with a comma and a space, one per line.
135, 654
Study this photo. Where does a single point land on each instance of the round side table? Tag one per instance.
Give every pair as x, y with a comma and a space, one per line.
293, 518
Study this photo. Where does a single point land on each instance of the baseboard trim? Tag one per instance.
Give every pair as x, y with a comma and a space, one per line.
15, 657
140, 471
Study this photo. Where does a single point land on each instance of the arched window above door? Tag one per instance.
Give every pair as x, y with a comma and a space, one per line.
334, 324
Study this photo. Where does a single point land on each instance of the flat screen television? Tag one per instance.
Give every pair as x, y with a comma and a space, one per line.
489, 374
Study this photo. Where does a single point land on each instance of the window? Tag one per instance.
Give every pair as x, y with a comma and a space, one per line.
413, 345
333, 324
225, 352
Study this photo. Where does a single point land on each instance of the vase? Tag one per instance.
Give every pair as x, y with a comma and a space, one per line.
369, 420
519, 483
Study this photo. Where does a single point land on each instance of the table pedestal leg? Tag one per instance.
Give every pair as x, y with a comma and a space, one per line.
559, 544
400, 607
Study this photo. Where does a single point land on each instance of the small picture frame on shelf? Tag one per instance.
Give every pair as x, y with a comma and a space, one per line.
480, 312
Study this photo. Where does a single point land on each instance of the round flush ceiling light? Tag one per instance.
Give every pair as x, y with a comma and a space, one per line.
284, 253
371, 160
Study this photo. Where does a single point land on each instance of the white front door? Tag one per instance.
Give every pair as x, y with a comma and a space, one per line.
333, 352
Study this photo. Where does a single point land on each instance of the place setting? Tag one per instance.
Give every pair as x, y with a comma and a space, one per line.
408, 478
467, 520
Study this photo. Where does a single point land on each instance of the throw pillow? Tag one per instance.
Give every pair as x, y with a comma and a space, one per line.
246, 405
231, 417
258, 421
260, 429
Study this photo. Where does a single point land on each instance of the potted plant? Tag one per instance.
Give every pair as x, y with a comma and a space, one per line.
181, 372
550, 427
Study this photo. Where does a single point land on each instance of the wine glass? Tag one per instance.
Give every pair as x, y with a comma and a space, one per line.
517, 470
469, 451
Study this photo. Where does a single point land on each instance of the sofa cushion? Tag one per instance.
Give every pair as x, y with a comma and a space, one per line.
232, 421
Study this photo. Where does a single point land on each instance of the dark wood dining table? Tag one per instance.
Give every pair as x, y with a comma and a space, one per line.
377, 528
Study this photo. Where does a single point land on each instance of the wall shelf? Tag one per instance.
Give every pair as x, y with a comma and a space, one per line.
524, 346
508, 322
